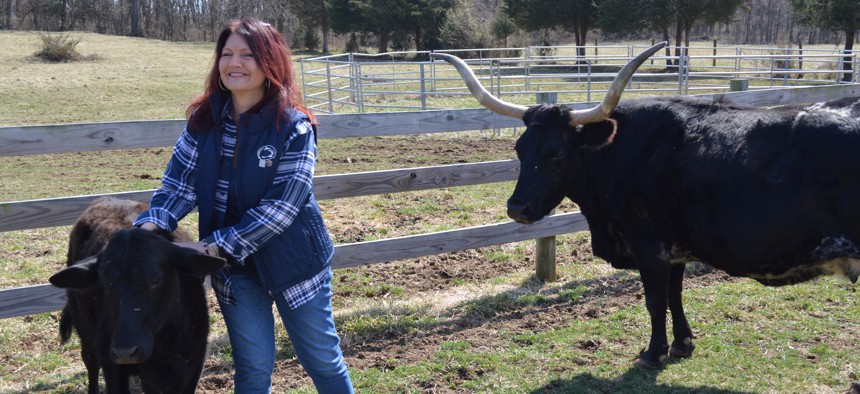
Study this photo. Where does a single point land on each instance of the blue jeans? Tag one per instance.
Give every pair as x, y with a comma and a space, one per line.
251, 327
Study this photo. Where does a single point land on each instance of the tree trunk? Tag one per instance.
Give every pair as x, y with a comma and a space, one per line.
8, 14
687, 27
848, 64
583, 33
212, 19
326, 34
678, 37
579, 42
799, 56
382, 46
668, 51
135, 19
65, 16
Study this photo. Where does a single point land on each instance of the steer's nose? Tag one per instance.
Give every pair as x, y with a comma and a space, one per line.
125, 355
518, 211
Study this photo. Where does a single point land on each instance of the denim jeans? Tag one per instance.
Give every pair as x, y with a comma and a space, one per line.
251, 327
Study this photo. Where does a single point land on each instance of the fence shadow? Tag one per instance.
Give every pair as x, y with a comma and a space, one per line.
504, 306
635, 380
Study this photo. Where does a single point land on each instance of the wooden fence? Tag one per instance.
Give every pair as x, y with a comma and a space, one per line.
33, 140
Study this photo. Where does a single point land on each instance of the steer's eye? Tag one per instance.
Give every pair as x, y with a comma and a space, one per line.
155, 281
558, 158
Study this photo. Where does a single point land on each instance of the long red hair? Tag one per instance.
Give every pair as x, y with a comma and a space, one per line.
272, 56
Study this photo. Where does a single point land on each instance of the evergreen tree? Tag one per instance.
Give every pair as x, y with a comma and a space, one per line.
577, 16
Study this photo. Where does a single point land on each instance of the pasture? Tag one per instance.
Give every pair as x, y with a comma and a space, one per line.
471, 321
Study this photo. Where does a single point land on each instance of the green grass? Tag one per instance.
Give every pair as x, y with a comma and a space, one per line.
729, 355
124, 83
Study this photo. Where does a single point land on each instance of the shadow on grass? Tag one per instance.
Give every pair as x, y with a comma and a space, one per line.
589, 297
508, 305
531, 293
635, 380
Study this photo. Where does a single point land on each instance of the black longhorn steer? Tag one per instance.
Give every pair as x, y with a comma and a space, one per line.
769, 194
136, 300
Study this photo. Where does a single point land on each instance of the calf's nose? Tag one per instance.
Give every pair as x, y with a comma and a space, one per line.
125, 355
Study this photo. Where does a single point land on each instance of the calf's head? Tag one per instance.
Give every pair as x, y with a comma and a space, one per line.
141, 274
547, 149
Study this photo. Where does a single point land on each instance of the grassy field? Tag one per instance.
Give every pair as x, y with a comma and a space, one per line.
473, 321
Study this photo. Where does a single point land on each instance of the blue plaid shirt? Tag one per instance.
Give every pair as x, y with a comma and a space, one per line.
177, 197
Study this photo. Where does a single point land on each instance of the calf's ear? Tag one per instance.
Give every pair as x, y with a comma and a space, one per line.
83, 274
190, 262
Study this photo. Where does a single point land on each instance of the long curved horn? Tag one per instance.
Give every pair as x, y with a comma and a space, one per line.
601, 111
596, 114
482, 95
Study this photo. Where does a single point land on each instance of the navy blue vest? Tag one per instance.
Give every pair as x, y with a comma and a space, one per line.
303, 249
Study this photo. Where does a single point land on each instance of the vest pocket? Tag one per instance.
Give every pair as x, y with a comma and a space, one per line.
317, 233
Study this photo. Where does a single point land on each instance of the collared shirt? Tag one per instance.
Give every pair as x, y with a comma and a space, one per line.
260, 223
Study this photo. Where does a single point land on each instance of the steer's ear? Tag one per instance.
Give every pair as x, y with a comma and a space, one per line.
599, 135
190, 262
83, 274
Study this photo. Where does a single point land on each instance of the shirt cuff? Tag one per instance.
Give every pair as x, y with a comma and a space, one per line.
224, 247
161, 218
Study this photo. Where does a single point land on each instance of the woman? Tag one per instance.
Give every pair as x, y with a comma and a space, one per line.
246, 161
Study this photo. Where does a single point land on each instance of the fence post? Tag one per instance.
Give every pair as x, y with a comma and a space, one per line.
359, 87
739, 85
588, 83
423, 89
304, 83
737, 62
328, 85
840, 67
545, 266
799, 58
681, 71
714, 63
352, 75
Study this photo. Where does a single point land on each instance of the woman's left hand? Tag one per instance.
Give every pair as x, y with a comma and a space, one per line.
197, 246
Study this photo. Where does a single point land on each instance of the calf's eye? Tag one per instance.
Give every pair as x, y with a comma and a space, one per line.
155, 281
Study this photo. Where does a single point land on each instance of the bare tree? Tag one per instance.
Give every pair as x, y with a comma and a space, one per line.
135, 19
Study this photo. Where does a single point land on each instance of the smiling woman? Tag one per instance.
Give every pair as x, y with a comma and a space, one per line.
246, 162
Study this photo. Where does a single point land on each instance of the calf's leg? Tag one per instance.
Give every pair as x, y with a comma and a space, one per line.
91, 361
116, 379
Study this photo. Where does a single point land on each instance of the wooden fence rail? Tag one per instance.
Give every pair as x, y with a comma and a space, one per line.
32, 140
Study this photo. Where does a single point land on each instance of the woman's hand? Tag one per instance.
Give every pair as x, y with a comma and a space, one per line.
197, 246
149, 226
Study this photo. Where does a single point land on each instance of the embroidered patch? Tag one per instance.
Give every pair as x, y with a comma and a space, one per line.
265, 155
